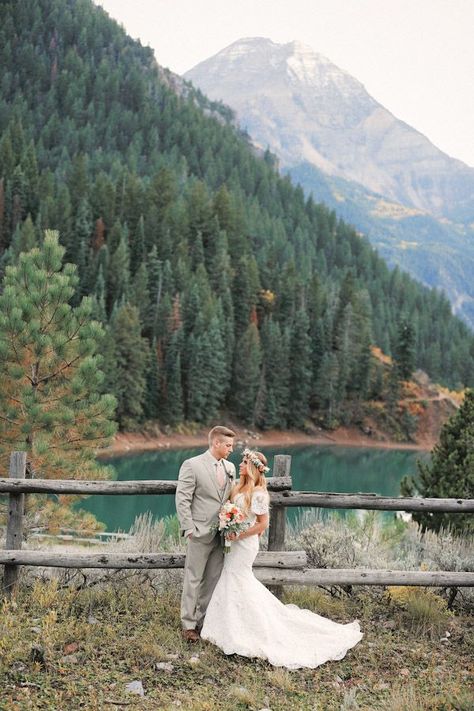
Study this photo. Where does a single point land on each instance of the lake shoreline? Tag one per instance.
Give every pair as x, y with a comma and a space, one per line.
138, 442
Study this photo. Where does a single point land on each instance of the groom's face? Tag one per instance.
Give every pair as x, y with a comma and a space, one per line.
222, 447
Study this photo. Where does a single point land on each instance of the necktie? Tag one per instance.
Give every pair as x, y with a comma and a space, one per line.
220, 474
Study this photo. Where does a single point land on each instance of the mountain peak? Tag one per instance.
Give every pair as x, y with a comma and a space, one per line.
312, 68
262, 60
298, 102
245, 46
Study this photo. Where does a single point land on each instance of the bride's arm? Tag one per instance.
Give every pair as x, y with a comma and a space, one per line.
257, 529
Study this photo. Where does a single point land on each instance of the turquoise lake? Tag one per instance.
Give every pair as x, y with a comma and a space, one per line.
313, 468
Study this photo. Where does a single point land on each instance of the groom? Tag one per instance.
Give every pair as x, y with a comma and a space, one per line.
204, 484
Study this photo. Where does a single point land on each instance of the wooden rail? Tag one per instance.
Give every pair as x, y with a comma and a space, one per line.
279, 487
370, 502
360, 576
265, 559
275, 567
78, 486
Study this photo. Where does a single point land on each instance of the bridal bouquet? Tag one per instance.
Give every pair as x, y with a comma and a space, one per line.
231, 519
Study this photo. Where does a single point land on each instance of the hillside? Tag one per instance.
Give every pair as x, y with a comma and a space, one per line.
414, 202
221, 287
307, 109
436, 251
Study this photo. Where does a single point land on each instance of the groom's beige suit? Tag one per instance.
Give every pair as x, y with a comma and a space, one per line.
198, 500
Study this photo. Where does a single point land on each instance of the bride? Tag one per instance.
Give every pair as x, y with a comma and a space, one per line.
244, 617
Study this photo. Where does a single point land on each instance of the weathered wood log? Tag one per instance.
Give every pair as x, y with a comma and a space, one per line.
334, 500
14, 534
276, 531
46, 559
319, 576
282, 496
80, 486
274, 568
277, 527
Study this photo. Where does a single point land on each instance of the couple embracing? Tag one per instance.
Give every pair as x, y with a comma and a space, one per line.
222, 601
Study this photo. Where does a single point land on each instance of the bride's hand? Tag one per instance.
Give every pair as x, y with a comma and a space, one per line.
232, 537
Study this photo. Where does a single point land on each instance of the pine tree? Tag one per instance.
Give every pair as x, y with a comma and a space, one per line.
29, 165
152, 406
131, 361
3, 226
326, 388
139, 292
118, 286
272, 408
172, 387
450, 473
50, 400
79, 248
404, 350
246, 376
300, 371
137, 246
23, 240
206, 370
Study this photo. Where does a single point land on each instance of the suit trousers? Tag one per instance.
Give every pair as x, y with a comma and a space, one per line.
202, 570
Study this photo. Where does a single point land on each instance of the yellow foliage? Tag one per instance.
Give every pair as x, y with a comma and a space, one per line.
457, 396
379, 355
45, 595
415, 408
268, 297
403, 595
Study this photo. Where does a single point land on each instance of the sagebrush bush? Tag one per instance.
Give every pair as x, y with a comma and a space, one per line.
376, 541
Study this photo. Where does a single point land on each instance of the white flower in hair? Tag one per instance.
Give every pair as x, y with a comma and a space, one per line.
257, 463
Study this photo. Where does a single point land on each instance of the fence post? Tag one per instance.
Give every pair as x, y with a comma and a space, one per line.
16, 506
277, 528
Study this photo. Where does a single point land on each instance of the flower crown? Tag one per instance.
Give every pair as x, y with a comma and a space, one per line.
253, 459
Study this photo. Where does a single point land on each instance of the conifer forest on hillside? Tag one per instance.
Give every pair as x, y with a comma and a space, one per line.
218, 285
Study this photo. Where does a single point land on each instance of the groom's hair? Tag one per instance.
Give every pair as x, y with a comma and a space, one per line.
219, 431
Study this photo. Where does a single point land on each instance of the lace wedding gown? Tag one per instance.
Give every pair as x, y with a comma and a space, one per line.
243, 617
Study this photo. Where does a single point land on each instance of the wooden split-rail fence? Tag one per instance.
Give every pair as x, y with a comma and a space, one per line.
275, 567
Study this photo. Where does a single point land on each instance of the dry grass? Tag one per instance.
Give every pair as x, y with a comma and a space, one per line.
63, 649
74, 640
405, 697
422, 611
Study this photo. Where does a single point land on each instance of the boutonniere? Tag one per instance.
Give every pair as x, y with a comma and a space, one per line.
229, 473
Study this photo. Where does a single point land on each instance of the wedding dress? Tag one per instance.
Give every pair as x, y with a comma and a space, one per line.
243, 617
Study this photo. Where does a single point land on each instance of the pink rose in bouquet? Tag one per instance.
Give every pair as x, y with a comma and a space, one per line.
231, 519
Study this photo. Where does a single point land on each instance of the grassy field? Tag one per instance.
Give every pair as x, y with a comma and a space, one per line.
64, 648
75, 639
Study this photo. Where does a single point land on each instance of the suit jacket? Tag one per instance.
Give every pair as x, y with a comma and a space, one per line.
198, 496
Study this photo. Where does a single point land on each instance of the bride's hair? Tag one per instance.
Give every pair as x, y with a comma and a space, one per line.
253, 478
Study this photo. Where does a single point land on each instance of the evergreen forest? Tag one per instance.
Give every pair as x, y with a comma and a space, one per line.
219, 286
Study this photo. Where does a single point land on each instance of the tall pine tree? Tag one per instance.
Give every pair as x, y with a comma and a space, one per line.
450, 473
50, 401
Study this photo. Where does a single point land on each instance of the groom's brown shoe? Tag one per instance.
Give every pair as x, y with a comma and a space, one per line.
191, 635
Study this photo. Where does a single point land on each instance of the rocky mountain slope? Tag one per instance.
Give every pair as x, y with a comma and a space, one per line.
415, 202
